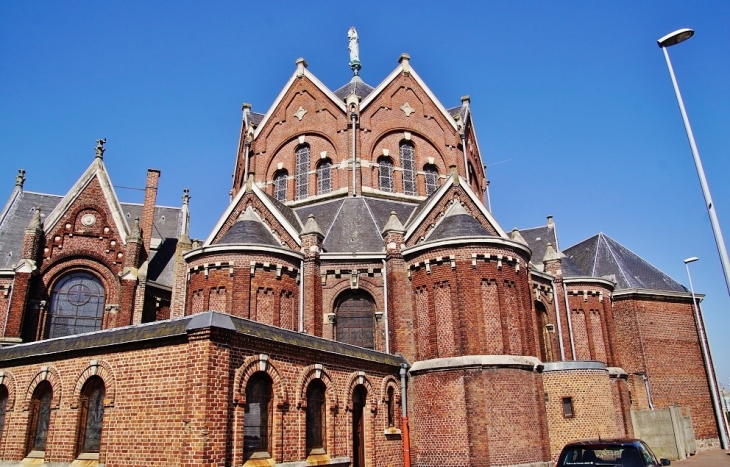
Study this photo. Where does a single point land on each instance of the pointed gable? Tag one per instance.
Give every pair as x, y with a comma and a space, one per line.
602, 256
248, 229
457, 222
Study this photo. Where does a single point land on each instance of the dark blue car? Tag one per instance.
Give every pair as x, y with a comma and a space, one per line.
622, 452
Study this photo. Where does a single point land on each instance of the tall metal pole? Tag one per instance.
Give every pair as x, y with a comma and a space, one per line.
719, 416
703, 181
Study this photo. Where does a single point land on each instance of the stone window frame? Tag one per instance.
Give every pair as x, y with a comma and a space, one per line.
407, 152
324, 176
61, 291
385, 174
301, 173
39, 411
281, 178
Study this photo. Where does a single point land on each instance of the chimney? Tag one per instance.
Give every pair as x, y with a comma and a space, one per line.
148, 210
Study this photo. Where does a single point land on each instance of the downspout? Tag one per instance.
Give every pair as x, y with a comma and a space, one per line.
466, 166
570, 322
353, 117
648, 392
406, 438
247, 150
557, 314
301, 297
385, 308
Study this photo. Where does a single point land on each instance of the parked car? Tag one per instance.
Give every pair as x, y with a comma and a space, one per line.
622, 452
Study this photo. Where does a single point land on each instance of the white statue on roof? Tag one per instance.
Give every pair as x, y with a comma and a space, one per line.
354, 48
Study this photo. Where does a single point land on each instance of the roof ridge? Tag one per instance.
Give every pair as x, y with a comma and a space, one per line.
601, 235
334, 219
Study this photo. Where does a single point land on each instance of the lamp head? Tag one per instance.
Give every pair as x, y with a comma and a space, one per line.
674, 38
691, 260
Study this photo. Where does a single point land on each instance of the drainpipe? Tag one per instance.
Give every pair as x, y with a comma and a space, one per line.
557, 314
301, 297
406, 439
385, 308
466, 163
570, 322
247, 146
353, 117
648, 392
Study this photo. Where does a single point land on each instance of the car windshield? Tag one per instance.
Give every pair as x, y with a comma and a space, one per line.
623, 456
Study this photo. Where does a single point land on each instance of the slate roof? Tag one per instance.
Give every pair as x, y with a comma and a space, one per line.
460, 111
354, 224
356, 85
285, 211
22, 205
602, 256
457, 223
256, 117
249, 230
537, 239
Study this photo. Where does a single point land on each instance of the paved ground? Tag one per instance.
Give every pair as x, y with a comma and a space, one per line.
712, 458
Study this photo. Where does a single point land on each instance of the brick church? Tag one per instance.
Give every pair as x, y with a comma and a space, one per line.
356, 304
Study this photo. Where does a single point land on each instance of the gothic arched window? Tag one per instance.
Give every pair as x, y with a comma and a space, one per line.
39, 417
91, 417
3, 407
257, 419
324, 177
280, 178
77, 305
408, 161
315, 416
432, 178
302, 171
385, 165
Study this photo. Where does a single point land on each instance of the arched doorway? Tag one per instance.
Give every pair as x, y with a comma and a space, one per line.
359, 396
355, 319
545, 353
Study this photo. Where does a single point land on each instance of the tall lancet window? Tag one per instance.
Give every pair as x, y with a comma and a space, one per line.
302, 172
408, 161
386, 174
432, 178
324, 177
280, 185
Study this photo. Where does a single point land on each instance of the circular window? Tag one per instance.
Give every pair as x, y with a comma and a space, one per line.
79, 294
88, 219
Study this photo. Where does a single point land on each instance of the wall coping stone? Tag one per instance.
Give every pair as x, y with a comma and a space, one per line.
574, 365
477, 361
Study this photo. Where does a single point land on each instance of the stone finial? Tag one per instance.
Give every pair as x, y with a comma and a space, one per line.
405, 62
186, 197
100, 148
311, 227
35, 221
393, 225
136, 234
20, 178
517, 237
550, 254
246, 106
301, 65
465, 100
454, 174
550, 221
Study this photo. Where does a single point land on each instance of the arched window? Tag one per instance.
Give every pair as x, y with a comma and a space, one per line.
474, 181
408, 161
315, 416
356, 318
302, 171
386, 174
432, 178
324, 177
543, 334
91, 416
77, 305
391, 407
3, 407
39, 417
359, 397
258, 416
280, 178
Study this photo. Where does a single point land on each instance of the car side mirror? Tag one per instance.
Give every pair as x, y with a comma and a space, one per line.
665, 461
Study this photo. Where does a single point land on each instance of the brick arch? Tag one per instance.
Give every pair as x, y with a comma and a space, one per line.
310, 373
390, 381
294, 138
103, 370
439, 158
78, 209
357, 378
370, 287
7, 379
255, 364
50, 374
89, 262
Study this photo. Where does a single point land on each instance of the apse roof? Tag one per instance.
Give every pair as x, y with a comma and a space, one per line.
250, 230
537, 239
356, 85
602, 256
458, 223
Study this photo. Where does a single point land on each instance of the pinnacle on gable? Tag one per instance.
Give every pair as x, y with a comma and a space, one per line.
35, 221
136, 232
393, 225
311, 227
551, 254
405, 62
301, 65
550, 221
517, 237
100, 148
20, 178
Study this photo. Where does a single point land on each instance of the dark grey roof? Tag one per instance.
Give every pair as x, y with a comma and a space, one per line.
537, 239
602, 256
250, 232
460, 111
161, 264
167, 219
17, 218
176, 330
356, 85
459, 225
285, 211
255, 117
354, 224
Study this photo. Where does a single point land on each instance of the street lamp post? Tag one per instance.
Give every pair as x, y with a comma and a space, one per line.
669, 40
719, 416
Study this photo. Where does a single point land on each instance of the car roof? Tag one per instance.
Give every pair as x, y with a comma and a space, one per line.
604, 442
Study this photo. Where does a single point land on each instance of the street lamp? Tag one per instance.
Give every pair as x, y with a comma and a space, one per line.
719, 416
669, 40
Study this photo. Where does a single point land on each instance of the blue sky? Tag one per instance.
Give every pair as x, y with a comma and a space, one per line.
574, 96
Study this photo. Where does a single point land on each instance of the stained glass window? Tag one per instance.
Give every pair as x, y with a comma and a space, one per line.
258, 414
408, 161
40, 417
315, 415
432, 179
302, 172
3, 406
386, 174
324, 177
280, 185
77, 305
92, 415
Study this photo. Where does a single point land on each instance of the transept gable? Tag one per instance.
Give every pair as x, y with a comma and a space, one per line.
442, 204
280, 221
